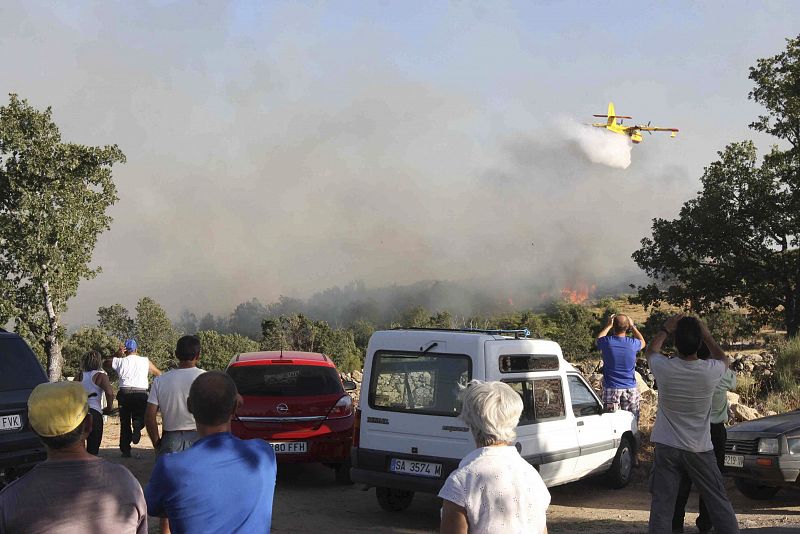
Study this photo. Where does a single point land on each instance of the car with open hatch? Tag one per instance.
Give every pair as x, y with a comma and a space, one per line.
409, 437
763, 455
298, 403
20, 372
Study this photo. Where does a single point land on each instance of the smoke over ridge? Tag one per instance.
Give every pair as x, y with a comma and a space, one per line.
264, 162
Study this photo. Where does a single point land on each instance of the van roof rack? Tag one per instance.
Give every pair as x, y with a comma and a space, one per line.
518, 334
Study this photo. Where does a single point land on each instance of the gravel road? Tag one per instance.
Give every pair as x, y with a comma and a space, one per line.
308, 500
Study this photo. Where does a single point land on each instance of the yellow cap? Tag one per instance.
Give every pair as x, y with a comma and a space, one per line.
57, 409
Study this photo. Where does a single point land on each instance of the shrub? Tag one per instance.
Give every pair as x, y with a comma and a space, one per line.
787, 364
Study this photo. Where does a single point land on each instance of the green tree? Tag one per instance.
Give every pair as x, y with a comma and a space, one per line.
362, 331
246, 319
84, 340
216, 350
53, 202
298, 332
573, 324
155, 333
737, 241
116, 321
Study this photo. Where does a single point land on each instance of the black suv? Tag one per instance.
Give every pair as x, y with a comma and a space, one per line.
20, 372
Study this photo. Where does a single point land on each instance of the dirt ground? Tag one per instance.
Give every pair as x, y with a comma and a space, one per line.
308, 500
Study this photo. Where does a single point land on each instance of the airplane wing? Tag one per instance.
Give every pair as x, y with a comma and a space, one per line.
656, 129
614, 116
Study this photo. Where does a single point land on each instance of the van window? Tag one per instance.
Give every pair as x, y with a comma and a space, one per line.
542, 399
583, 401
521, 363
417, 382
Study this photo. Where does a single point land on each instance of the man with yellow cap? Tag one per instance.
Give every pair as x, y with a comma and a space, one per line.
72, 491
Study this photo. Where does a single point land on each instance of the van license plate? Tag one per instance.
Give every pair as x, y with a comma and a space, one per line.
420, 469
10, 422
734, 460
289, 447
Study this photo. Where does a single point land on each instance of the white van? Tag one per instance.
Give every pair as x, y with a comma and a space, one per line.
409, 437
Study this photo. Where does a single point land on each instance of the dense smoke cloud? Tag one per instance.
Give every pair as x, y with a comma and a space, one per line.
266, 163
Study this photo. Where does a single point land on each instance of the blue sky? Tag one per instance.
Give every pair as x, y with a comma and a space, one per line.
281, 148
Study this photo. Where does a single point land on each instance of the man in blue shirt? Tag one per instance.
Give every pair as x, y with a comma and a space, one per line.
619, 364
221, 483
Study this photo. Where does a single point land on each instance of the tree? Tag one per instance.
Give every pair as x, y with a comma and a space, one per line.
216, 350
187, 324
53, 202
84, 340
155, 333
246, 319
298, 332
573, 324
737, 242
115, 320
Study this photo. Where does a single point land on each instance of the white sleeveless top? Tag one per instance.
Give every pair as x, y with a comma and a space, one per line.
90, 387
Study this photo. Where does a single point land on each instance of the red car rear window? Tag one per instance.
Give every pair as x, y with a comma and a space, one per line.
286, 380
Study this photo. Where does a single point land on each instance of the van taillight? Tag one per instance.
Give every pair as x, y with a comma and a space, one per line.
342, 408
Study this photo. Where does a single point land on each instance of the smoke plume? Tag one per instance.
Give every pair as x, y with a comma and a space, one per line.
599, 145
269, 155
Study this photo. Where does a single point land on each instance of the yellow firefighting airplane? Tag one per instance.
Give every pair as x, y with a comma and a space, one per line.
614, 124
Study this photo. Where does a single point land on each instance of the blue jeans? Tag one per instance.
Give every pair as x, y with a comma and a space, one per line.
176, 441
669, 467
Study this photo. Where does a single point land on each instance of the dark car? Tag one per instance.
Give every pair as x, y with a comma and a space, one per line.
764, 454
298, 403
20, 372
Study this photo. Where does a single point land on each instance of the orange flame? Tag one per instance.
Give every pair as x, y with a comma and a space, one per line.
578, 294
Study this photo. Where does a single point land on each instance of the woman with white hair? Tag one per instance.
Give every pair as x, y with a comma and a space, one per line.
494, 490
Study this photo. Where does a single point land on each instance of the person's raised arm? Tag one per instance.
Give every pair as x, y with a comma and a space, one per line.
667, 329
155, 371
635, 331
714, 349
604, 332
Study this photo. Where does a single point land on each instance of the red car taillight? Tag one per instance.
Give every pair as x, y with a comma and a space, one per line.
342, 408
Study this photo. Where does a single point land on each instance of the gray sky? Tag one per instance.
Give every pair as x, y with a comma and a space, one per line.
282, 149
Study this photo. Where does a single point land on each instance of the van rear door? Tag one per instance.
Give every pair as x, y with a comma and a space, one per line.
412, 404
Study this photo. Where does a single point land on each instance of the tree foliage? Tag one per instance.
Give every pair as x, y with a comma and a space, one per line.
53, 202
84, 340
115, 320
737, 241
216, 349
298, 332
155, 333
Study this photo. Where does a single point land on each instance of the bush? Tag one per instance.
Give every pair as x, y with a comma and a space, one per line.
787, 364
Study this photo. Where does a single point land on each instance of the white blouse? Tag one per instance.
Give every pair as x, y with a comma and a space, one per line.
501, 492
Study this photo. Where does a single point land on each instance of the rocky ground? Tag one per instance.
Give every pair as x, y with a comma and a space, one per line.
308, 500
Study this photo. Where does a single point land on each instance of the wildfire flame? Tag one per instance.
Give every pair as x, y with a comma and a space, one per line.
578, 294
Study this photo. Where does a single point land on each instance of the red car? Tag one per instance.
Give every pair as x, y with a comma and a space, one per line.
298, 403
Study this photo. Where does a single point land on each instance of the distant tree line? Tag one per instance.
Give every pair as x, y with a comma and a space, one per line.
573, 326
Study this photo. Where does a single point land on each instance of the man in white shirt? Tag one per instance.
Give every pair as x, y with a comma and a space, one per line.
168, 394
686, 385
133, 372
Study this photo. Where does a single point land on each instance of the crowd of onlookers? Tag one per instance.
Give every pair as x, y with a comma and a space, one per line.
75, 491
207, 480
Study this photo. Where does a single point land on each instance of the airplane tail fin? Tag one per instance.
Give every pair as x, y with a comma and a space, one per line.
610, 114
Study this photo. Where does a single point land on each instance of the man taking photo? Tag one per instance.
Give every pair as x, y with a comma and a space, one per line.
686, 385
